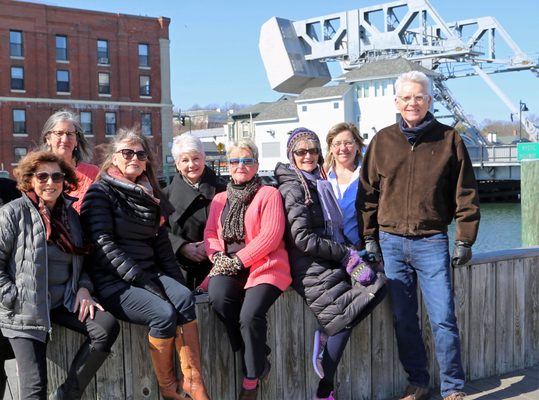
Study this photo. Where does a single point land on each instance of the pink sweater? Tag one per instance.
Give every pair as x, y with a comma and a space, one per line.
264, 252
86, 173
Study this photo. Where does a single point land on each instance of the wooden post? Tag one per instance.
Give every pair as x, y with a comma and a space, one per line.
529, 189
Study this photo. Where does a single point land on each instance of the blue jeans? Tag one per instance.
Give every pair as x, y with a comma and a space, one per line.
424, 259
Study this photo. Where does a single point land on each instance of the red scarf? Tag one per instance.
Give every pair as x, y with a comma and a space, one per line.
56, 225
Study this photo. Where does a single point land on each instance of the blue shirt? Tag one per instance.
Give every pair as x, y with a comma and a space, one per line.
346, 196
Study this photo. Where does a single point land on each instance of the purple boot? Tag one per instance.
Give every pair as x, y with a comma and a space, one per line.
320, 341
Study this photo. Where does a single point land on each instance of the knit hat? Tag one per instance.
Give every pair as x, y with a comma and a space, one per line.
296, 136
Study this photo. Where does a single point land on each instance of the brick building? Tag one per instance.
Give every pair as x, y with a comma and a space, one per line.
112, 69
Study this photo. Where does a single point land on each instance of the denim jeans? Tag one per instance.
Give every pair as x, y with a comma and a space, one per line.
424, 259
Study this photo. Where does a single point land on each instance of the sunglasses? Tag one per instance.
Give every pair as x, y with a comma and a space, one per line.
303, 152
128, 154
245, 161
43, 177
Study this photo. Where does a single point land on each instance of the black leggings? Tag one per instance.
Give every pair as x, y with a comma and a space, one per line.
243, 312
31, 354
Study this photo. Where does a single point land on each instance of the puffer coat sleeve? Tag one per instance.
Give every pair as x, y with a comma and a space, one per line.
8, 238
98, 218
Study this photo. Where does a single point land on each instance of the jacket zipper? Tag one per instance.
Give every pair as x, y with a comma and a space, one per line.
47, 282
409, 189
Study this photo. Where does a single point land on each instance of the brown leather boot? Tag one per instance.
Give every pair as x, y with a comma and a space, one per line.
162, 354
188, 348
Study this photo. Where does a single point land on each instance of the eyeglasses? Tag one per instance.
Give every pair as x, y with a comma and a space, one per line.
245, 161
419, 99
43, 177
303, 152
346, 143
128, 154
69, 134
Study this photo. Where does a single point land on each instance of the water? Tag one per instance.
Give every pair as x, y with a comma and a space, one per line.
500, 228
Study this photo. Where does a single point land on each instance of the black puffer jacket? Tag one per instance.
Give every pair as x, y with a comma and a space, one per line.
187, 222
315, 261
124, 224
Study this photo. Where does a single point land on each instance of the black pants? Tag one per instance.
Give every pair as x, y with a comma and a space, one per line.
243, 312
31, 355
139, 306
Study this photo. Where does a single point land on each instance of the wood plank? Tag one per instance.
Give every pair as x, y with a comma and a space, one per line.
110, 378
505, 323
145, 386
382, 351
519, 314
481, 346
462, 288
268, 385
531, 340
360, 362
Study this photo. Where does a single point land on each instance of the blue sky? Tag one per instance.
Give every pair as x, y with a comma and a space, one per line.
215, 57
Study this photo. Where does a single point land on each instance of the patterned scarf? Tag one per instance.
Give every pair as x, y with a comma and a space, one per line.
239, 198
56, 225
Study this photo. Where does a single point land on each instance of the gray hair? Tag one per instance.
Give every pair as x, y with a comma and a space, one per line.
132, 136
416, 77
81, 150
245, 144
186, 143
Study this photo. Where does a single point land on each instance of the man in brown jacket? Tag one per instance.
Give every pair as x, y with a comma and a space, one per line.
416, 177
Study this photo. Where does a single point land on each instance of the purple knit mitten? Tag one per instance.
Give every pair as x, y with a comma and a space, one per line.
359, 269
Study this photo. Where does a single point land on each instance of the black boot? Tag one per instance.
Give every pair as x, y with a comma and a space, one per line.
82, 371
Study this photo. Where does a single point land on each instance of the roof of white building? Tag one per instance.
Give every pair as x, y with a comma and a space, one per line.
384, 69
281, 109
324, 92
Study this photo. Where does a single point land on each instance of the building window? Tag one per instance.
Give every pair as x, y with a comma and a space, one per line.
363, 89
366, 136
304, 108
378, 88
110, 123
86, 122
103, 52
17, 78
335, 105
146, 124
19, 153
62, 80
61, 48
145, 89
15, 44
143, 55
104, 83
19, 121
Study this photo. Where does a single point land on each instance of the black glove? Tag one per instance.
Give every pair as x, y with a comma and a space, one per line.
372, 246
150, 283
462, 253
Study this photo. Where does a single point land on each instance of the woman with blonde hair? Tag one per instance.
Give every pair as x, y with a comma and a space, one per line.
134, 268
342, 165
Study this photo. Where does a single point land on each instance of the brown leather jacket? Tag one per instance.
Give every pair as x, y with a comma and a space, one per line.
418, 190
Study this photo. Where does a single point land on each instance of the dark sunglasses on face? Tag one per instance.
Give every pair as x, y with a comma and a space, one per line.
128, 154
245, 161
43, 177
303, 152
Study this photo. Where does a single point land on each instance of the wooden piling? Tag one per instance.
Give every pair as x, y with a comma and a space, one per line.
529, 178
